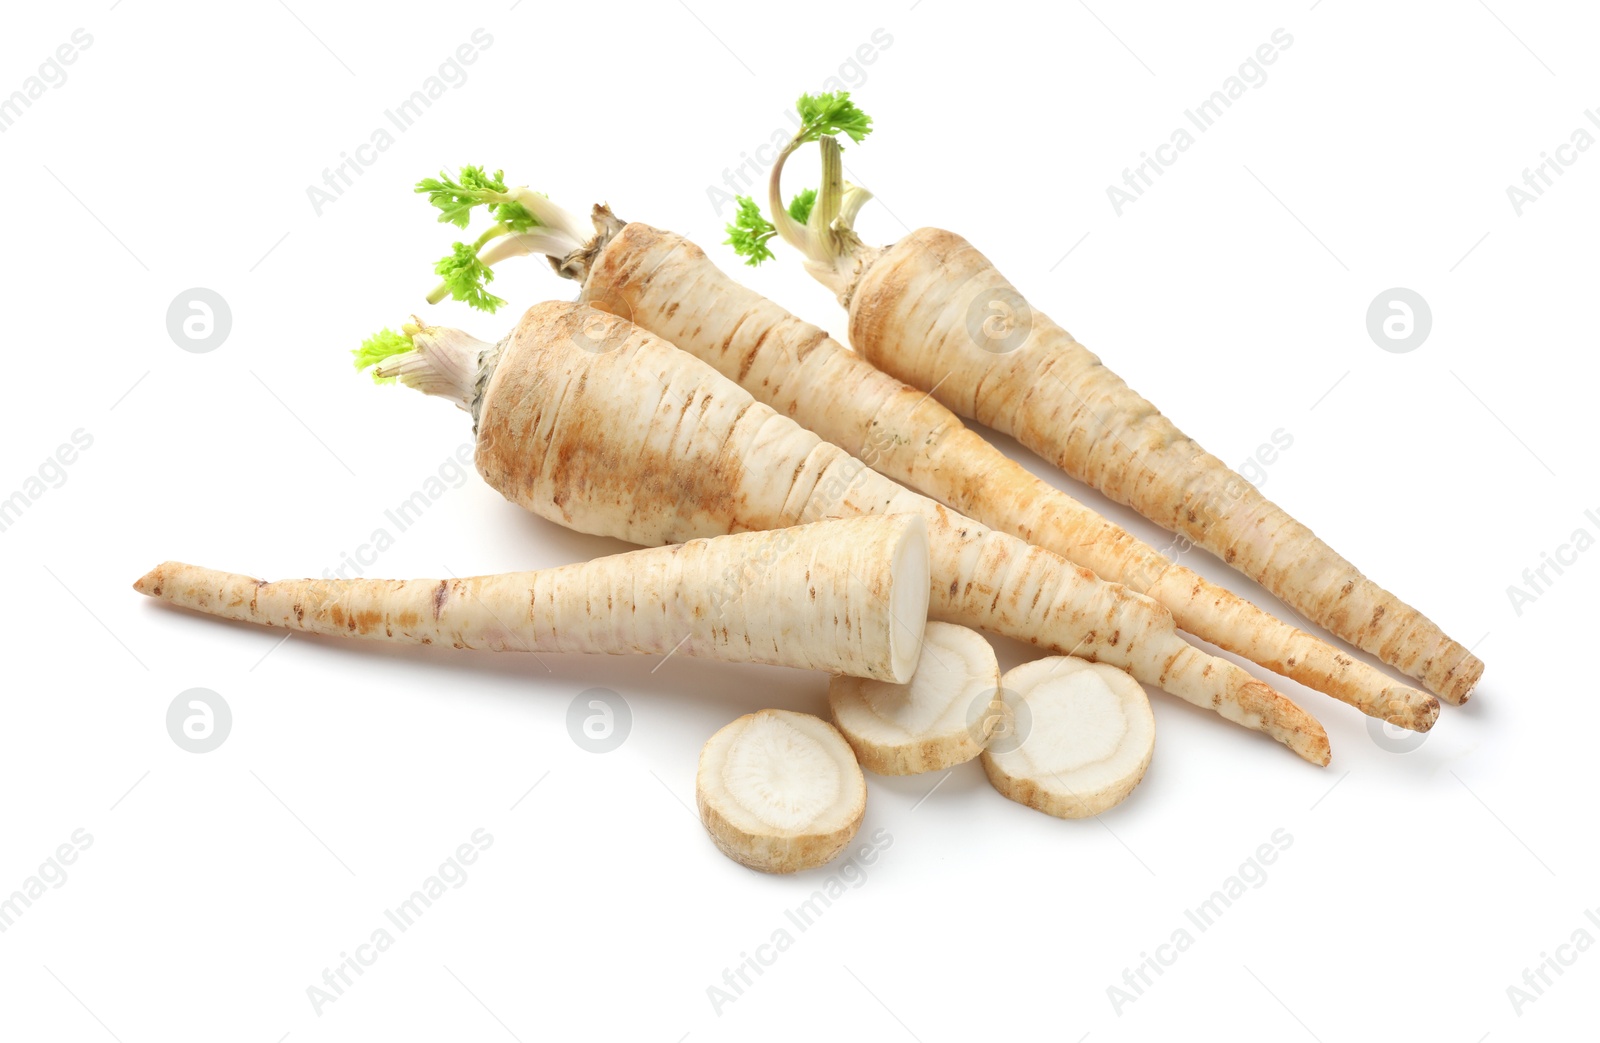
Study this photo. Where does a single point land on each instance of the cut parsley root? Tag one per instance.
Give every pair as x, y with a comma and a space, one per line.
1076, 737
934, 312
844, 596
599, 425
780, 791
938, 719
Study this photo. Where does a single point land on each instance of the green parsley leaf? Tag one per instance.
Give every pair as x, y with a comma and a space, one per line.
831, 112
800, 206
749, 231
467, 277
456, 197
381, 345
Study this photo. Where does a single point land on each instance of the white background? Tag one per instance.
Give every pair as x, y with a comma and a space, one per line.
218, 886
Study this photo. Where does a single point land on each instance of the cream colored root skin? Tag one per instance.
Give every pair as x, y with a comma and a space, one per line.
652, 276
780, 791
846, 597
909, 316
1087, 741
940, 718
697, 456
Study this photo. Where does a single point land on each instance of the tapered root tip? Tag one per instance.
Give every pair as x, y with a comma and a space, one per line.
1315, 748
1310, 740
1413, 710
1269, 711
1307, 738
152, 582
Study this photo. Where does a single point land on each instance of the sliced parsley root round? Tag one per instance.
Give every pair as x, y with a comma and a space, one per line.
940, 718
1076, 737
780, 791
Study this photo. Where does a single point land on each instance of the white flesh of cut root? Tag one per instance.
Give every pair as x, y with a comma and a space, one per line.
1077, 737
780, 791
941, 718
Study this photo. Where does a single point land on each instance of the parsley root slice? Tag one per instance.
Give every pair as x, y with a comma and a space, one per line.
934, 312
843, 596
596, 424
780, 791
938, 719
1076, 738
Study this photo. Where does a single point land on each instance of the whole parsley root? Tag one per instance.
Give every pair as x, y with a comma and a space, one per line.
848, 597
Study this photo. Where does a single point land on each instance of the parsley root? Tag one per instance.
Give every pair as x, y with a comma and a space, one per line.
848, 597
940, 718
1077, 739
780, 791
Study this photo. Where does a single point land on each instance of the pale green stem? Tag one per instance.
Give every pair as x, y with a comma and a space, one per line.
790, 230
556, 219
829, 191
495, 246
855, 197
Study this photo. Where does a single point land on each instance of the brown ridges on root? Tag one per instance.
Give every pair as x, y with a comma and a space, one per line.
911, 316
